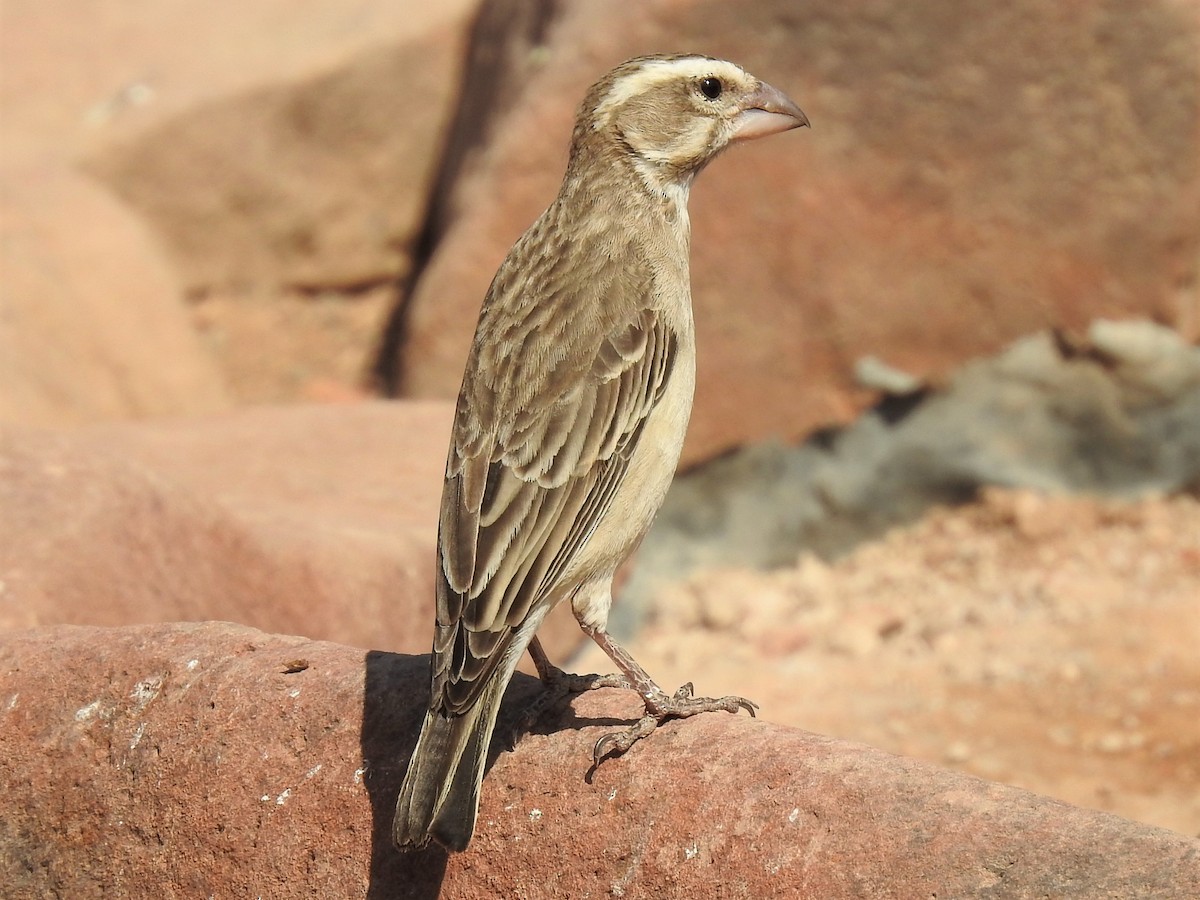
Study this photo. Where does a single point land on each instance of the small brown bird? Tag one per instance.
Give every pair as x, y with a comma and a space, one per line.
571, 417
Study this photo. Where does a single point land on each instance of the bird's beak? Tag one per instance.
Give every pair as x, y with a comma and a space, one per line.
767, 111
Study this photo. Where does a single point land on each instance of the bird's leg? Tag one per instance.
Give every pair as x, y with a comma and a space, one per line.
559, 684
659, 706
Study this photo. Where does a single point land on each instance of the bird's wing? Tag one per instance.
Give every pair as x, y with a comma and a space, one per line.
525, 491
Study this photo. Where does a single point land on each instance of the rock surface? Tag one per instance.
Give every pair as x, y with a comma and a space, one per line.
316, 520
924, 220
215, 760
263, 141
275, 159
330, 193
92, 324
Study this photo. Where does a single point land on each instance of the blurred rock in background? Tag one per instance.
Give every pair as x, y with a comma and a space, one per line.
1116, 414
273, 164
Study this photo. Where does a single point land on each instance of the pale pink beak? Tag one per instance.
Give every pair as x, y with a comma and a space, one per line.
767, 111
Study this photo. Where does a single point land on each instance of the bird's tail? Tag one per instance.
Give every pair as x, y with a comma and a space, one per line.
440, 795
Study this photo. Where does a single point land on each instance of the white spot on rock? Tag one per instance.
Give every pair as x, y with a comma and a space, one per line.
191, 664
146, 690
691, 852
535, 815
313, 771
794, 815
359, 773
283, 798
87, 713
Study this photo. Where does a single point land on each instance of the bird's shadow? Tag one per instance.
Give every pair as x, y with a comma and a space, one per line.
395, 697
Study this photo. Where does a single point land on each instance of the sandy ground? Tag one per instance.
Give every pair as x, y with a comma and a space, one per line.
1049, 643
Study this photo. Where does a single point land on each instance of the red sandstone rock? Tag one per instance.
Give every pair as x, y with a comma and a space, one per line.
266, 150
307, 520
215, 760
260, 138
92, 323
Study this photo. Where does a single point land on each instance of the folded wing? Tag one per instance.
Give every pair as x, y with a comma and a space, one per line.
523, 495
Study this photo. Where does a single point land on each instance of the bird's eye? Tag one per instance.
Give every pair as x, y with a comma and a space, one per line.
711, 87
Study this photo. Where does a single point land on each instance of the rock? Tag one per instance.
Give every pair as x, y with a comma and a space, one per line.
876, 375
319, 521
1151, 357
92, 323
216, 760
260, 143
279, 160
331, 190
923, 220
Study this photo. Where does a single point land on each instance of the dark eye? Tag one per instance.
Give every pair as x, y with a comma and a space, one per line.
711, 87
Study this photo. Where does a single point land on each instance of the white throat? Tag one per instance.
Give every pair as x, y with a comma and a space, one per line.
673, 190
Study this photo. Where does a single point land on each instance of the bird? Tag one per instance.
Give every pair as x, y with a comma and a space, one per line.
571, 418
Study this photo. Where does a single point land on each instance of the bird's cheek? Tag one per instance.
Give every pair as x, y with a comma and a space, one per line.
698, 143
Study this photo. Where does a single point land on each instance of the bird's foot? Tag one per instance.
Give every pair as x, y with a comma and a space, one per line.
562, 683
660, 708
559, 686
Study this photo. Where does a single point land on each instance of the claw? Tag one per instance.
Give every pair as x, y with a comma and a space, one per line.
617, 742
602, 747
620, 741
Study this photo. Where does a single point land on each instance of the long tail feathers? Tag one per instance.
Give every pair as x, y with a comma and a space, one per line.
440, 795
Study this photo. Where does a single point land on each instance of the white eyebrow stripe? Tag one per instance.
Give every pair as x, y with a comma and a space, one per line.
657, 71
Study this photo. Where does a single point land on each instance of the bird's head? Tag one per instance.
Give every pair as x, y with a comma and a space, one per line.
672, 114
